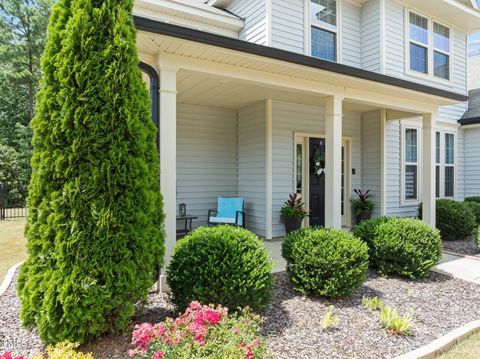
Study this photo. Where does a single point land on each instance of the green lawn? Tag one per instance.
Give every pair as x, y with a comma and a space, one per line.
467, 349
12, 244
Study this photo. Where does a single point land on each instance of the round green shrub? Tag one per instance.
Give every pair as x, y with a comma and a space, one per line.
223, 265
475, 207
407, 247
326, 262
455, 219
366, 230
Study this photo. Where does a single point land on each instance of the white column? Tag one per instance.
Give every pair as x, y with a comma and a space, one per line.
168, 153
428, 168
333, 161
269, 170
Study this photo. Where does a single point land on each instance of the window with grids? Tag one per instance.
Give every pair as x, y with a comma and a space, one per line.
410, 164
323, 19
445, 164
429, 46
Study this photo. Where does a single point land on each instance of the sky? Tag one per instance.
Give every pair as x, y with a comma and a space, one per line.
474, 44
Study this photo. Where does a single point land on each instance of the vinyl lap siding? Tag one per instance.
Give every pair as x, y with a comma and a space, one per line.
206, 158
288, 25
351, 36
472, 164
252, 164
371, 157
370, 29
254, 13
289, 118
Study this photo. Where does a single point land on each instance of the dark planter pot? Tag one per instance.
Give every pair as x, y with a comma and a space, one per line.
292, 224
363, 216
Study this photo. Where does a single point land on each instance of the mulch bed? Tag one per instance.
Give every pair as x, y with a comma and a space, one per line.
292, 321
464, 246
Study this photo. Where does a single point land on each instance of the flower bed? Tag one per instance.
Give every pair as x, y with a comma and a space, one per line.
201, 332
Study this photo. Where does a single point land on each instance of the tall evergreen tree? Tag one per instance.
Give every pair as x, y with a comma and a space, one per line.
94, 232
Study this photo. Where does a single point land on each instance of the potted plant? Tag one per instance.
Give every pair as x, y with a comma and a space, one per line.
293, 213
362, 205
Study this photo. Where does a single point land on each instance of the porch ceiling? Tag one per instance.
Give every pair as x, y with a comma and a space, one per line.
217, 91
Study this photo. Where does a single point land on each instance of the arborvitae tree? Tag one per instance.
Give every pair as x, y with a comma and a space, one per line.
95, 227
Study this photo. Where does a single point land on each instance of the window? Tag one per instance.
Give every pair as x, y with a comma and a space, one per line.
323, 34
441, 51
449, 165
429, 46
299, 168
445, 169
418, 43
410, 156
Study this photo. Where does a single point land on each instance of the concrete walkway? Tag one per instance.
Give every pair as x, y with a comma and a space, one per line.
460, 267
456, 266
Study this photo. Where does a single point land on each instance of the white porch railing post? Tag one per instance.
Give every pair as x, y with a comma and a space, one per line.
333, 161
168, 155
428, 165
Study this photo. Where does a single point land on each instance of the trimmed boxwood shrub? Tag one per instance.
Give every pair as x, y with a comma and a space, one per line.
475, 207
223, 265
477, 237
454, 219
94, 230
326, 262
366, 231
407, 247
473, 199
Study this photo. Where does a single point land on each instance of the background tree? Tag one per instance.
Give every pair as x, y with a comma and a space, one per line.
95, 235
23, 32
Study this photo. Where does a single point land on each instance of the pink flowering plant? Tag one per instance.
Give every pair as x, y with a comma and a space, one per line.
201, 332
9, 355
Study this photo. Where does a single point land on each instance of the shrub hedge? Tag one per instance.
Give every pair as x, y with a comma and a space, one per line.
94, 228
407, 247
475, 208
366, 232
221, 265
473, 199
455, 219
326, 262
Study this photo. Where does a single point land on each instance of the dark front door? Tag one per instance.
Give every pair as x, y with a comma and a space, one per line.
317, 182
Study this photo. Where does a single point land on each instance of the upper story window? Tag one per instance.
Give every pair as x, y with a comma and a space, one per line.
323, 21
429, 46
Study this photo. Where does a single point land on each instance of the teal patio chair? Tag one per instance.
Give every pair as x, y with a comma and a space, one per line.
229, 211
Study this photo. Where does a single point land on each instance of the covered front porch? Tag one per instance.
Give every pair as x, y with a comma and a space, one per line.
235, 124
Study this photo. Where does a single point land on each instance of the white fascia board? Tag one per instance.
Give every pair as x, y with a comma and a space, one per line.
201, 13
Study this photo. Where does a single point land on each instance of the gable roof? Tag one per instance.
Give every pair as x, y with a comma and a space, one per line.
472, 115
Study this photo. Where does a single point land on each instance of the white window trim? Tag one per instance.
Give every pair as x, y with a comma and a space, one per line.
337, 31
429, 76
443, 165
403, 127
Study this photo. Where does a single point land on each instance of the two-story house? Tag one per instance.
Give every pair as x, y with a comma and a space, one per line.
253, 97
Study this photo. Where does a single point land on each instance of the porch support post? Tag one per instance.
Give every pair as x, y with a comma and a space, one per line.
269, 170
168, 154
333, 161
428, 164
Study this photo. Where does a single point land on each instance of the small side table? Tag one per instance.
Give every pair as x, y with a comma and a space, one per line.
187, 225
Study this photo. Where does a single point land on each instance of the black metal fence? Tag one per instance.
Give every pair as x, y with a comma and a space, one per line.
12, 212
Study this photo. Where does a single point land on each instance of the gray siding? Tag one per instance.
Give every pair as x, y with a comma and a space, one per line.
288, 25
255, 16
472, 162
370, 30
289, 118
351, 36
371, 157
206, 157
252, 164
